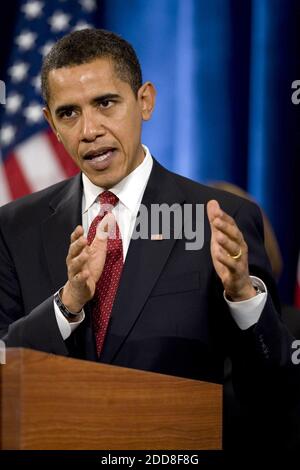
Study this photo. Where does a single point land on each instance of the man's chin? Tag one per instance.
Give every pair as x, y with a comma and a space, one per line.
105, 181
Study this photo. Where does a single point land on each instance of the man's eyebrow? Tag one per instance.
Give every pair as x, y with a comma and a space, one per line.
106, 97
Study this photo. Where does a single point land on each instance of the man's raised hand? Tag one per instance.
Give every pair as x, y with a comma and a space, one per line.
229, 253
85, 265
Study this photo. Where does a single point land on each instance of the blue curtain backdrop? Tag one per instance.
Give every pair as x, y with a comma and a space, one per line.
223, 70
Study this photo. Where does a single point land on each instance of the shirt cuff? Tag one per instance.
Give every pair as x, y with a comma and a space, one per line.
247, 312
66, 328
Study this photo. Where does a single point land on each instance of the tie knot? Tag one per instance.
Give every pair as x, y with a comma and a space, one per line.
108, 198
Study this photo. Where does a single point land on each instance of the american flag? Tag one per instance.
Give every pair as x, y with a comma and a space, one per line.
31, 158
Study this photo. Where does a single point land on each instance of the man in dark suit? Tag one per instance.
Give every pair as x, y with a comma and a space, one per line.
174, 310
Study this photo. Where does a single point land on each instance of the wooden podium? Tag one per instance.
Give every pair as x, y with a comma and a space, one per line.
53, 402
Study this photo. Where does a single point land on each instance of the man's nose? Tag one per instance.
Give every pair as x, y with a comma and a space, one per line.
91, 126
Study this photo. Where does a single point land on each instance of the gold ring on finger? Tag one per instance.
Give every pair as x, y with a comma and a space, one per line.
237, 256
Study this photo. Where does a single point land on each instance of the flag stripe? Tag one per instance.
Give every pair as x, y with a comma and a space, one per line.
66, 162
17, 181
39, 162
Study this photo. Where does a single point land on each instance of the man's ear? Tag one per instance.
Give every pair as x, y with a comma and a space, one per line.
48, 117
146, 97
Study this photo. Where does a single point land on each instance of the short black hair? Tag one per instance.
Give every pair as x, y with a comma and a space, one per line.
86, 45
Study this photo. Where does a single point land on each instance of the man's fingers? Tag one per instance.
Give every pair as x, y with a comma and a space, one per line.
78, 243
218, 218
78, 232
227, 218
231, 246
75, 265
222, 222
76, 247
221, 256
228, 262
213, 210
231, 230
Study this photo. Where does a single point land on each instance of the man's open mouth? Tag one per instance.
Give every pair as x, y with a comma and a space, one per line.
100, 159
99, 155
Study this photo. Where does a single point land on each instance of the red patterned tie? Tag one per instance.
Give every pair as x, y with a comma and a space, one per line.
108, 282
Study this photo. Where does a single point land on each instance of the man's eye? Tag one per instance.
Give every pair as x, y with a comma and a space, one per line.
68, 113
106, 103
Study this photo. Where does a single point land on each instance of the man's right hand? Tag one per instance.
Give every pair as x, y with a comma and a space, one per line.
85, 265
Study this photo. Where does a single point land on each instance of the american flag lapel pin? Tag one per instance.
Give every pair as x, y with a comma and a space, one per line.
156, 236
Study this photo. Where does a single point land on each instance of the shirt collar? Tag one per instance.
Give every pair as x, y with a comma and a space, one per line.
130, 190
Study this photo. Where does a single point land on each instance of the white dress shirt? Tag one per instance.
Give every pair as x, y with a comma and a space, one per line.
130, 192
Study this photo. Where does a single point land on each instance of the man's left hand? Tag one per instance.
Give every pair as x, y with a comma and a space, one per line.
229, 253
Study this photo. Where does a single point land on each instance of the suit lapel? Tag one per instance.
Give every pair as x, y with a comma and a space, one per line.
144, 263
65, 209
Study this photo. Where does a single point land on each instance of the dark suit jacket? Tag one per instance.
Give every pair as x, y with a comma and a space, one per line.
169, 315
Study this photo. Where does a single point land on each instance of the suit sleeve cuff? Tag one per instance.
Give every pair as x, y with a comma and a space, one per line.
247, 312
